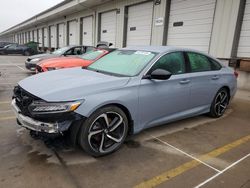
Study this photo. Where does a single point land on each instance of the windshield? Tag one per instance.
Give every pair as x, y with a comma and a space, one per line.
123, 62
92, 55
60, 50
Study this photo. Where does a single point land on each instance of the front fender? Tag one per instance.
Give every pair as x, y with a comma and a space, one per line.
124, 96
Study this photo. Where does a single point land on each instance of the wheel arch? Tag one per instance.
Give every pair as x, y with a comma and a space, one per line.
228, 91
126, 111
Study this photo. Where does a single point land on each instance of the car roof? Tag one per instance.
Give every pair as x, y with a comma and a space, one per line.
160, 49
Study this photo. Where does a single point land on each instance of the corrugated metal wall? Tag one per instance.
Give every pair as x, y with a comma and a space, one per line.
244, 42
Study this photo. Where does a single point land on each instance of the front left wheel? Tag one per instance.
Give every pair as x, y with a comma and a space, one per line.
104, 131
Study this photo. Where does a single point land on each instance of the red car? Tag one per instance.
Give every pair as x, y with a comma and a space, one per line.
68, 62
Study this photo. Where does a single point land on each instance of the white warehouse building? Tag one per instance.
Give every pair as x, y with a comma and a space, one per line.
218, 27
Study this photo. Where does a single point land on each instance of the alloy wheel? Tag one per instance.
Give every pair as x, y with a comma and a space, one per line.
106, 132
221, 102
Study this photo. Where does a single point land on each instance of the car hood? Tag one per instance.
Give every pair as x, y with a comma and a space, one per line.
70, 84
64, 62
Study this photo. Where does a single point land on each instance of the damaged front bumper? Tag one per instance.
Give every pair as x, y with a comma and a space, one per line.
40, 126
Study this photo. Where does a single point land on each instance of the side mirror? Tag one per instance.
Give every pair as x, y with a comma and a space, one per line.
159, 74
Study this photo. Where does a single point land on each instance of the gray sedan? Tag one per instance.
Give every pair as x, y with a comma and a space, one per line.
124, 92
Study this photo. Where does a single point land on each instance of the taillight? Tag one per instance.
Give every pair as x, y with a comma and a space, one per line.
236, 74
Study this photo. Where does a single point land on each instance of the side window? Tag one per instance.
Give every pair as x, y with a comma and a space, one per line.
173, 62
198, 62
13, 46
215, 65
77, 51
89, 48
69, 52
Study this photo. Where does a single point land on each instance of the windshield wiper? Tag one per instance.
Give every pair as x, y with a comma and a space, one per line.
104, 72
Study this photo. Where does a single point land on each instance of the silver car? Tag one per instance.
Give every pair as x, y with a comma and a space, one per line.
124, 92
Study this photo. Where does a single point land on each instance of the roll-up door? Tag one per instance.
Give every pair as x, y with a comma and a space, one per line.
72, 27
20, 38
139, 24
190, 23
31, 35
87, 31
52, 36
23, 38
61, 35
108, 27
244, 42
45, 37
40, 37
35, 36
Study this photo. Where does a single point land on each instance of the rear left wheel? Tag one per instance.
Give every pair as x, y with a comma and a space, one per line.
219, 104
104, 131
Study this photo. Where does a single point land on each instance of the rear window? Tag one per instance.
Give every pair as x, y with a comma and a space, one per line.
92, 55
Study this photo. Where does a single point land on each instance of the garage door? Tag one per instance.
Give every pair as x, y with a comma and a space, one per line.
139, 24
20, 38
23, 38
45, 37
72, 33
108, 27
52, 36
244, 42
35, 35
31, 35
40, 37
190, 23
87, 31
61, 35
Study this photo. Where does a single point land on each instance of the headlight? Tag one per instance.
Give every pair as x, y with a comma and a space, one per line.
35, 59
39, 107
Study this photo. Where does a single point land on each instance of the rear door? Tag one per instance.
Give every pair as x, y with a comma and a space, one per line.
204, 79
164, 100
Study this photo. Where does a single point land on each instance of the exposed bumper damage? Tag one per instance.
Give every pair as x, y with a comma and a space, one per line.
39, 126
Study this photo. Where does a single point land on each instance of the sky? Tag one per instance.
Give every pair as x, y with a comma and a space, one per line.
13, 12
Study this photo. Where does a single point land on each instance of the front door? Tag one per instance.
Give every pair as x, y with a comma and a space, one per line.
161, 101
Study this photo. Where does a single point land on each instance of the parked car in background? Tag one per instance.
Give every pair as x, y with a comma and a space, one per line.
16, 49
122, 93
32, 61
68, 62
2, 44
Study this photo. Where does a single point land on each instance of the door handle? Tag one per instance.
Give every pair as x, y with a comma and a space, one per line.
215, 77
185, 81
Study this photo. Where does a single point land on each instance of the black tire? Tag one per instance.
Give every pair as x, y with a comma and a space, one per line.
95, 134
219, 104
26, 53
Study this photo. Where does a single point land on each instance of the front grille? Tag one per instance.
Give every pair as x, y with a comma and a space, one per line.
39, 69
23, 100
